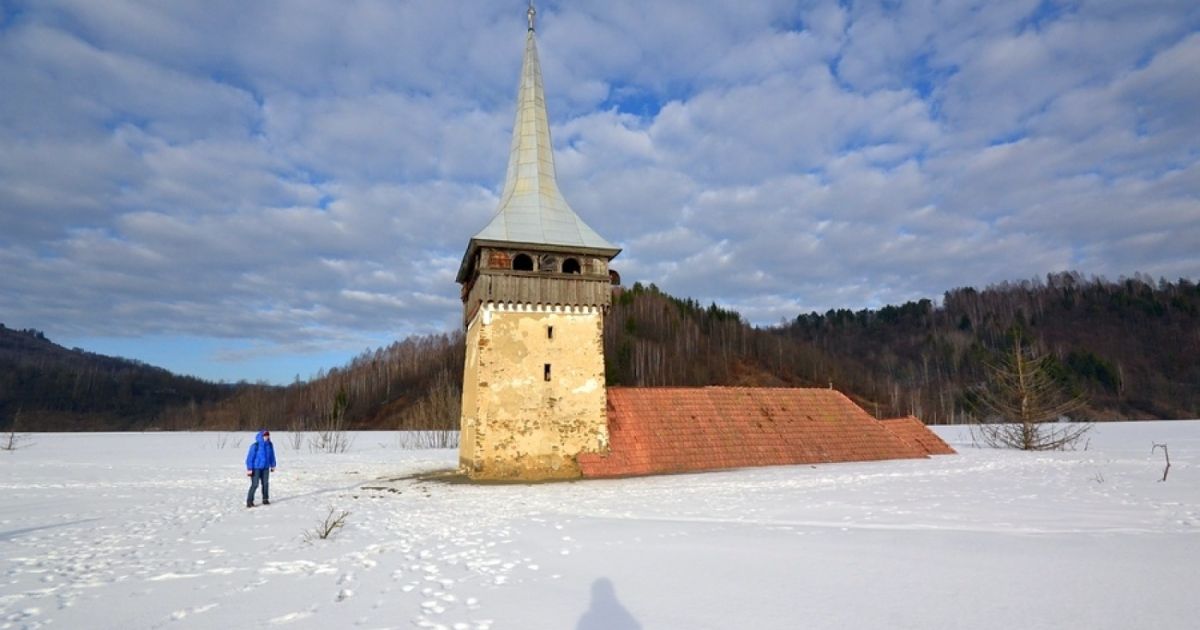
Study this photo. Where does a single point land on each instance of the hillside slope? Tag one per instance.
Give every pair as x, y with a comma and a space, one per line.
1129, 346
46, 387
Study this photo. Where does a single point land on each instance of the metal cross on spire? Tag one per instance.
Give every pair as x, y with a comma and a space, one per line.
532, 13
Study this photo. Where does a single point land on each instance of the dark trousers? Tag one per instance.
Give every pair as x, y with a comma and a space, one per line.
256, 475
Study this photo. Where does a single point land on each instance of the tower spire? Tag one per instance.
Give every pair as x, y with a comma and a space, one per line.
532, 209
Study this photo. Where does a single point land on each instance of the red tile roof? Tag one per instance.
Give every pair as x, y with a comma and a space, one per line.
667, 430
913, 431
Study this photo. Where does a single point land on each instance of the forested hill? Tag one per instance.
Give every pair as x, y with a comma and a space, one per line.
1131, 346
46, 387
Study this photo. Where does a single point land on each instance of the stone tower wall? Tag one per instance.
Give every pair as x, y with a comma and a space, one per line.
517, 425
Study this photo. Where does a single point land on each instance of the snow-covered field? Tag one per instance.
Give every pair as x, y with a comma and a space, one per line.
150, 530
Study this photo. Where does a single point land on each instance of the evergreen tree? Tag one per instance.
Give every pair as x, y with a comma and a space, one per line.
1022, 404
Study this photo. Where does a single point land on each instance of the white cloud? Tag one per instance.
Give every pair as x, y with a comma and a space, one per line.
304, 176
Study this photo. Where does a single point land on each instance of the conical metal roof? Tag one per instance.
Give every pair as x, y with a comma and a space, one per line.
532, 209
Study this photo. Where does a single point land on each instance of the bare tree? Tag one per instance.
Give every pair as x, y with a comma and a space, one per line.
1022, 405
13, 439
1167, 455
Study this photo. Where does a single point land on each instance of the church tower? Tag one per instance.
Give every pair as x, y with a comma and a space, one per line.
535, 289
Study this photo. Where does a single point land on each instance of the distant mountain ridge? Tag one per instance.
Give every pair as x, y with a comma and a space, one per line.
46, 387
1129, 345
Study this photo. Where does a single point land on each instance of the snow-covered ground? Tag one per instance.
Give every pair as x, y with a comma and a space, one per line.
150, 530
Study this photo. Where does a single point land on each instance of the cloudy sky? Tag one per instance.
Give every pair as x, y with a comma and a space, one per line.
257, 190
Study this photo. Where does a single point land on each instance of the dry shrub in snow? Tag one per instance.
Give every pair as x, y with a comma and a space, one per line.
330, 435
427, 439
438, 410
330, 440
295, 436
225, 440
333, 522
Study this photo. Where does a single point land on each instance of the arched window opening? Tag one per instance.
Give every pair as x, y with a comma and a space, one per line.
571, 265
614, 277
522, 262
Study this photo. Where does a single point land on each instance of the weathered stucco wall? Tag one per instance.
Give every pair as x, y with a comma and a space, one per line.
516, 423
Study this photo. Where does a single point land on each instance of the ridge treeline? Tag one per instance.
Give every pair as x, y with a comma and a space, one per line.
1128, 345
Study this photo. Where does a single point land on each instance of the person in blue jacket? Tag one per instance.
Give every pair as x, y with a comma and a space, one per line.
260, 463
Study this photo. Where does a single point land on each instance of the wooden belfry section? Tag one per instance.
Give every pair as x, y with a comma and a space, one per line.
685, 429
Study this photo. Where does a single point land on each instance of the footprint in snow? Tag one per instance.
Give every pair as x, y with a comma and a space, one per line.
290, 617
181, 614
253, 585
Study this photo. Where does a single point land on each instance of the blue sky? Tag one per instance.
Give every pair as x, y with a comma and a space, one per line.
260, 190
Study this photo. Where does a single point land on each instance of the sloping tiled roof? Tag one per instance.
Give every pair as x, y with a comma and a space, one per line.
668, 430
913, 431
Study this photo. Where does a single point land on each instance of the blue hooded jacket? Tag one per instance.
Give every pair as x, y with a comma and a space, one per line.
261, 453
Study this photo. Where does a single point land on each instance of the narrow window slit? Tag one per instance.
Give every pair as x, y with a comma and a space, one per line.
546, 369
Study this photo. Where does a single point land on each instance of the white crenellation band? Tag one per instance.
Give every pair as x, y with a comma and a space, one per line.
523, 307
